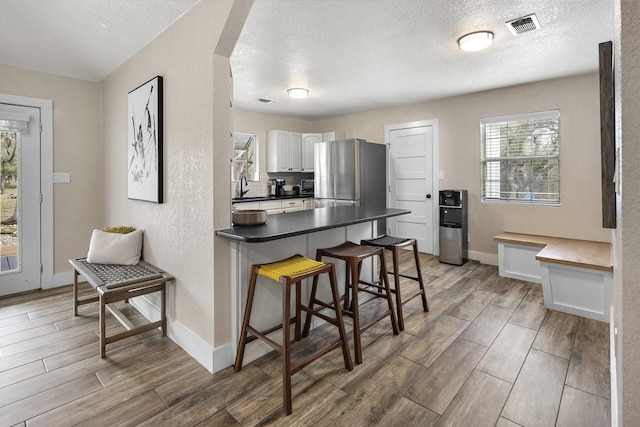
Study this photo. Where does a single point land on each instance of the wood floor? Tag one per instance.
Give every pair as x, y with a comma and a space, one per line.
487, 353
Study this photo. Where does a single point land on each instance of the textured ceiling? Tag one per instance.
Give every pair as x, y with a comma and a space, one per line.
353, 55
359, 55
86, 39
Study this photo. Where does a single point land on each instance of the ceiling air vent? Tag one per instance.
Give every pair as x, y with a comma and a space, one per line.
266, 100
523, 24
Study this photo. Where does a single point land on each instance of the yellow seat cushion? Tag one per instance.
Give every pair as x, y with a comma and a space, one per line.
289, 267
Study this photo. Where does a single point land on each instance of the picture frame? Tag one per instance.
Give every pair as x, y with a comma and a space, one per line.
144, 153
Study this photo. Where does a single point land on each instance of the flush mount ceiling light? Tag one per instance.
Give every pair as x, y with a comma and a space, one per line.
474, 42
298, 92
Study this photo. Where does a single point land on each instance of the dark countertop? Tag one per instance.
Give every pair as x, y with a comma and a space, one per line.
291, 224
266, 198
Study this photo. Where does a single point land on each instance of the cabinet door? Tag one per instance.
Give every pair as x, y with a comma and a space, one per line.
245, 206
308, 142
328, 136
308, 204
277, 151
283, 151
295, 152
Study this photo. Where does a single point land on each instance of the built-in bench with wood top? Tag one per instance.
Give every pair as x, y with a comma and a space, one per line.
576, 275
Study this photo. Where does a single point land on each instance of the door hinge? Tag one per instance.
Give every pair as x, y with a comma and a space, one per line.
41, 268
40, 127
41, 198
389, 189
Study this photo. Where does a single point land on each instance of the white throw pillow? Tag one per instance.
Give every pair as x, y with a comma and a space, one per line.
115, 248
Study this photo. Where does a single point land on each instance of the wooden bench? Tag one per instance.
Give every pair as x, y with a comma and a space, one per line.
576, 275
120, 283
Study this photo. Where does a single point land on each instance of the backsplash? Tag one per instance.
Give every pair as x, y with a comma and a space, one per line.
259, 188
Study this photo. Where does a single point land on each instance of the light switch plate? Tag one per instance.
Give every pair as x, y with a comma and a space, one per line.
61, 177
441, 174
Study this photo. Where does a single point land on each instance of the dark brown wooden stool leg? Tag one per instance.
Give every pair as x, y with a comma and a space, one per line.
253, 277
395, 252
298, 327
425, 304
286, 347
385, 278
340, 320
355, 279
312, 302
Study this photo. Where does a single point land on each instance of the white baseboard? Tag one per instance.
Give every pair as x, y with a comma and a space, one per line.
213, 359
484, 257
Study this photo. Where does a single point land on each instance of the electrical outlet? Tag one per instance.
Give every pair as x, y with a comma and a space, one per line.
61, 177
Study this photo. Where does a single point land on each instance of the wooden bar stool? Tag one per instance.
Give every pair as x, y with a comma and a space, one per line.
288, 272
394, 244
353, 255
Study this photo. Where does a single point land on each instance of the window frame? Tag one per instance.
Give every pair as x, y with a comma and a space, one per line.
484, 160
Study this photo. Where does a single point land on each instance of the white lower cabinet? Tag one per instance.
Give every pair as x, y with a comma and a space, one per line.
308, 204
277, 206
272, 206
245, 206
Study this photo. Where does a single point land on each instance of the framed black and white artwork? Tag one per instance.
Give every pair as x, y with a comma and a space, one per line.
144, 168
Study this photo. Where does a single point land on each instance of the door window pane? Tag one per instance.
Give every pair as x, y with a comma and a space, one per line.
9, 198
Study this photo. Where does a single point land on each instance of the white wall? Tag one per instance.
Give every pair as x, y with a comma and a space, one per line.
626, 299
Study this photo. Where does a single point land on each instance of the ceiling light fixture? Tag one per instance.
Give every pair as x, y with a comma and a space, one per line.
474, 42
298, 92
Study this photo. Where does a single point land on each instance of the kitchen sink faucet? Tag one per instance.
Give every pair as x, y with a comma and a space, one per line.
242, 191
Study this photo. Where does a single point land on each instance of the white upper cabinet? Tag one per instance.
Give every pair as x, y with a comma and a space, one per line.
328, 136
283, 151
293, 151
308, 142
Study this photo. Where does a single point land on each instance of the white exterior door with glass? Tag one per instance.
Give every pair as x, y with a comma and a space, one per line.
20, 199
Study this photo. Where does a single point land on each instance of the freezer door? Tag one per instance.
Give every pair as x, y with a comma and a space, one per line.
373, 175
344, 169
323, 176
325, 203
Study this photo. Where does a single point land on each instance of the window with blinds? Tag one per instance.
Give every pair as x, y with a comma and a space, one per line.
520, 158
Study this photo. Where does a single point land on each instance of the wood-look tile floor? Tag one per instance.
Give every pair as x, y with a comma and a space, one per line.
487, 353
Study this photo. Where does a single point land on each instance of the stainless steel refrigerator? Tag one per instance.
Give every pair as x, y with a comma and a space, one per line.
350, 172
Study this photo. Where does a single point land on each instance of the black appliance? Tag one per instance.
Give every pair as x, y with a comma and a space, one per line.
279, 187
307, 187
453, 227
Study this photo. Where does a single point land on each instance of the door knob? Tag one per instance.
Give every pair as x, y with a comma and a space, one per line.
428, 196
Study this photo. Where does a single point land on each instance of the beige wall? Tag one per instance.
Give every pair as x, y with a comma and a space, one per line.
626, 301
179, 234
76, 150
577, 98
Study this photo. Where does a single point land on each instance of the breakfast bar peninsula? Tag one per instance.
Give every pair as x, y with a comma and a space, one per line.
285, 235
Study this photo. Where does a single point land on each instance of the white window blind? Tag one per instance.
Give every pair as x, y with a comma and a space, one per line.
520, 158
14, 122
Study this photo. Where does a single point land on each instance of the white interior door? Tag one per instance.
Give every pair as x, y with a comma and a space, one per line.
20, 250
411, 183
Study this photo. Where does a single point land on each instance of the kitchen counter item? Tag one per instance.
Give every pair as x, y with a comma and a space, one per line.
249, 217
290, 192
305, 222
